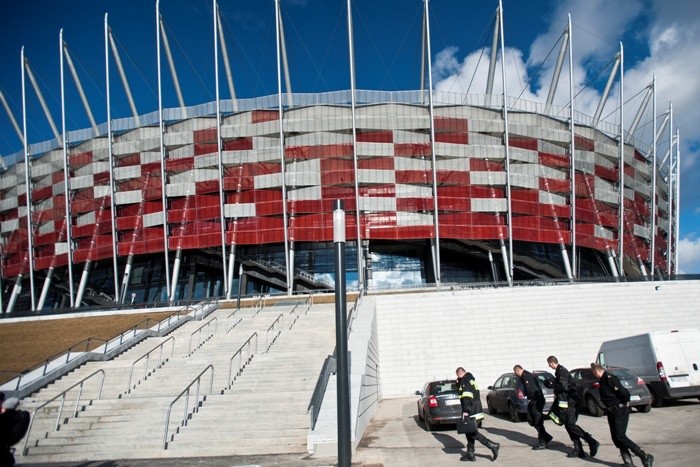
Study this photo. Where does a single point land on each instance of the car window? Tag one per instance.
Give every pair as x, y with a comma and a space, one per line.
443, 387
576, 375
499, 382
622, 373
510, 383
544, 377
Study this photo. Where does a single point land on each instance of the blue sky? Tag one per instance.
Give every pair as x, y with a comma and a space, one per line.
659, 36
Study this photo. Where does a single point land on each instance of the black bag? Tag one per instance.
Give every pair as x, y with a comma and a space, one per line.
467, 426
17, 427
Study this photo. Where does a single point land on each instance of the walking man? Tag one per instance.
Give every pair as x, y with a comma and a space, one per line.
566, 398
535, 405
469, 397
615, 397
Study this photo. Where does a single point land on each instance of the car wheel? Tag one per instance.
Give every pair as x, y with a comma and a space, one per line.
513, 413
655, 401
593, 407
490, 407
426, 422
420, 415
644, 408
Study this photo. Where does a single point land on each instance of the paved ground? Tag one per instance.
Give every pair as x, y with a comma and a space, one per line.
395, 438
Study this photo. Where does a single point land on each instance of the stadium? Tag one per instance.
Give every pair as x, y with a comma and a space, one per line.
234, 197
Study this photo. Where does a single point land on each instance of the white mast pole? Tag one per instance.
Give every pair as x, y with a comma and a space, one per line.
509, 271
27, 180
572, 176
222, 216
162, 155
436, 223
351, 50
290, 274
652, 247
621, 255
113, 204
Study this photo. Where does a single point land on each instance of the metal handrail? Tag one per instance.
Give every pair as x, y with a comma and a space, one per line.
272, 327
199, 330
183, 422
314, 406
353, 312
63, 399
147, 357
241, 365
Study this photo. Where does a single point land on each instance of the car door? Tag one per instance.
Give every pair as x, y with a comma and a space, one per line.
505, 391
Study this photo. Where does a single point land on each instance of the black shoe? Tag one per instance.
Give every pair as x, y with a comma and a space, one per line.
548, 438
540, 446
648, 460
494, 447
468, 457
593, 446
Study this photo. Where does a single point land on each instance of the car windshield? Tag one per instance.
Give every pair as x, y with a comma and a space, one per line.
443, 387
544, 377
622, 373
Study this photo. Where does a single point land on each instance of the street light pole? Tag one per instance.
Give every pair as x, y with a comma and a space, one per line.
341, 337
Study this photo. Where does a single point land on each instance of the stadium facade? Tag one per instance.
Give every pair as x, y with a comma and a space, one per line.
236, 197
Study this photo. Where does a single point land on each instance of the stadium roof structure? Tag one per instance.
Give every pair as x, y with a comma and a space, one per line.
237, 194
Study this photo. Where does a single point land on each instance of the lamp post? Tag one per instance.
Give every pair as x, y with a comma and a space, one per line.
341, 337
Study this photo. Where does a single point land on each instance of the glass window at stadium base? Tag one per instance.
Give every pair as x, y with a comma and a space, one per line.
235, 198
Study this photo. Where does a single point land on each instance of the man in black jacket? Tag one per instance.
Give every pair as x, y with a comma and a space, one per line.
615, 397
535, 405
469, 397
566, 398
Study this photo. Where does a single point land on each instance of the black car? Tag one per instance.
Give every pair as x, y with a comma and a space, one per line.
507, 395
439, 404
587, 387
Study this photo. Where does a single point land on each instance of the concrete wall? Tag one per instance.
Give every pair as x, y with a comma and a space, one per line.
427, 335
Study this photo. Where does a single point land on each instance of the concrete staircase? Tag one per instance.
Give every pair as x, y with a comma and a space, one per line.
263, 410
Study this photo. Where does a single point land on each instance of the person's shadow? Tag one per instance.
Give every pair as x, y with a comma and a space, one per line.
552, 446
452, 446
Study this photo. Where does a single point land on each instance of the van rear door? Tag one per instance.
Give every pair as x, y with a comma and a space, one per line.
669, 350
690, 344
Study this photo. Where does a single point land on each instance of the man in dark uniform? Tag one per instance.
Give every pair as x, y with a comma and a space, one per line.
566, 398
535, 405
615, 397
469, 397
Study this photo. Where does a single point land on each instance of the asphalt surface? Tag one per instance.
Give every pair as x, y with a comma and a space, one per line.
396, 438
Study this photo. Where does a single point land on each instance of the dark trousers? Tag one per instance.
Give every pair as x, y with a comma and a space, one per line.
534, 412
7, 459
576, 433
476, 437
618, 418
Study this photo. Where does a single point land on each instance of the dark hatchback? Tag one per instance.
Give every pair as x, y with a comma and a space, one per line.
587, 387
507, 395
438, 404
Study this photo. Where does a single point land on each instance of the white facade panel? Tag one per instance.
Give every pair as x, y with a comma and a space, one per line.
309, 193
404, 219
489, 205
368, 176
268, 181
233, 211
487, 178
377, 204
128, 197
153, 219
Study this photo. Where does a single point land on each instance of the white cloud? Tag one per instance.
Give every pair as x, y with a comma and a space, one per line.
689, 255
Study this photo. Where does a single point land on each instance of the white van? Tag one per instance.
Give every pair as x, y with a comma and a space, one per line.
668, 361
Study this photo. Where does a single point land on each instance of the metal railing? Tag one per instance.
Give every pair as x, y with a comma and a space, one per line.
199, 332
186, 392
161, 362
247, 345
274, 327
57, 359
62, 396
320, 389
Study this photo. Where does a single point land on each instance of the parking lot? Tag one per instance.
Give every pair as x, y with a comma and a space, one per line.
395, 437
